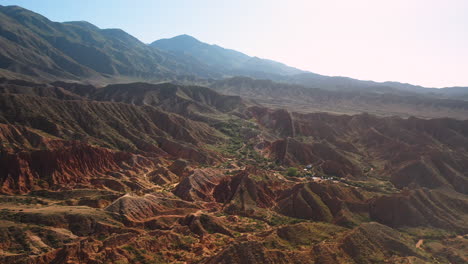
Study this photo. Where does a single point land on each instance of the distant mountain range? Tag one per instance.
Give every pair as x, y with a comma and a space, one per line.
227, 61
35, 48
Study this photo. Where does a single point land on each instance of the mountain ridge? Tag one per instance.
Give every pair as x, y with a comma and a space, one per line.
78, 50
214, 55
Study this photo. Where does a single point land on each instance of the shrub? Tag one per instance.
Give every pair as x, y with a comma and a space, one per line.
292, 172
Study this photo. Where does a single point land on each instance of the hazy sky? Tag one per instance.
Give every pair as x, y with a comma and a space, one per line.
422, 42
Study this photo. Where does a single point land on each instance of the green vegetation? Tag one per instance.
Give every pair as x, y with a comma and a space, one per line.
237, 146
184, 242
372, 186
139, 254
428, 233
277, 220
292, 172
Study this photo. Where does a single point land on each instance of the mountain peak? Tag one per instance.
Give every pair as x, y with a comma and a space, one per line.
82, 23
228, 61
12, 7
185, 37
177, 43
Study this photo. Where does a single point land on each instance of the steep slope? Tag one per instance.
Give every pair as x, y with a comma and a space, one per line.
188, 100
435, 208
408, 152
199, 185
198, 103
323, 202
35, 46
141, 209
374, 243
228, 61
70, 165
108, 124
242, 195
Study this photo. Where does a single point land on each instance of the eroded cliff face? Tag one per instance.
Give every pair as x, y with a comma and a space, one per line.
32, 160
408, 152
169, 174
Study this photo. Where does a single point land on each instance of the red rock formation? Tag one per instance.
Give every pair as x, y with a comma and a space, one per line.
204, 224
60, 163
279, 120
241, 194
199, 185
143, 208
291, 152
323, 202
371, 242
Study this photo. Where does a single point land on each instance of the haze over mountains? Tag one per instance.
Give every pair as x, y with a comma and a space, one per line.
230, 62
77, 50
115, 151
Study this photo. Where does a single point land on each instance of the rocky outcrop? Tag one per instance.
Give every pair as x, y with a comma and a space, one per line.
202, 224
240, 194
189, 101
432, 170
199, 185
373, 242
162, 176
291, 152
143, 208
71, 164
280, 120
104, 123
323, 202
409, 152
